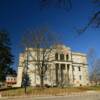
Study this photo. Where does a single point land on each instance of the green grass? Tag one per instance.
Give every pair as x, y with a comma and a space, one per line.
95, 88
46, 91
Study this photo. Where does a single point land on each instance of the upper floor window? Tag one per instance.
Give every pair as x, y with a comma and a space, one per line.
8, 79
67, 57
14, 79
56, 56
79, 68
61, 56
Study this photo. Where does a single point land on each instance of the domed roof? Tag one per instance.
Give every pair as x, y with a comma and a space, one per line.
60, 46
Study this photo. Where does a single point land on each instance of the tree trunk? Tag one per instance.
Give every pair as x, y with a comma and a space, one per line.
42, 78
42, 81
25, 89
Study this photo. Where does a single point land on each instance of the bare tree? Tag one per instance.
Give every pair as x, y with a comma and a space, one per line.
94, 66
67, 5
95, 75
40, 41
94, 20
91, 58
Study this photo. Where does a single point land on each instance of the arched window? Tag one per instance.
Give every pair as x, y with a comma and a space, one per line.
67, 57
61, 56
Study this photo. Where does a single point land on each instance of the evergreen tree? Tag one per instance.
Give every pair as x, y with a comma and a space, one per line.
6, 58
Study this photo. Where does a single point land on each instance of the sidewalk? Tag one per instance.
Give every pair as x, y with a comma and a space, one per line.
86, 93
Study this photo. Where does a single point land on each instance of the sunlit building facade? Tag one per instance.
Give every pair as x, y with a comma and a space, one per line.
67, 68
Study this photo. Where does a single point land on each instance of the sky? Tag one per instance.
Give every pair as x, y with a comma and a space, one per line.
18, 16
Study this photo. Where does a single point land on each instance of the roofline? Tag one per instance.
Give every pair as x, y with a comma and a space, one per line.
79, 54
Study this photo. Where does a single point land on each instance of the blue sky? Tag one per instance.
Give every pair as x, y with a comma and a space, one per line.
18, 16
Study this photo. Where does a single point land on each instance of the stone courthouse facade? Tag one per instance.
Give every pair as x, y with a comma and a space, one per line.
66, 68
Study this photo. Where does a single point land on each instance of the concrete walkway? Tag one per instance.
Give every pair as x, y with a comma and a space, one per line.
81, 94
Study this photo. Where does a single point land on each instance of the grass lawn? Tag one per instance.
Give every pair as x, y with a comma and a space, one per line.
46, 91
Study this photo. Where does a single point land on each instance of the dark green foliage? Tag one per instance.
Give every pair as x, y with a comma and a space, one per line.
6, 58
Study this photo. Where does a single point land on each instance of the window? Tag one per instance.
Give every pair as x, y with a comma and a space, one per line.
37, 78
67, 57
61, 56
56, 56
79, 68
45, 78
8, 79
80, 77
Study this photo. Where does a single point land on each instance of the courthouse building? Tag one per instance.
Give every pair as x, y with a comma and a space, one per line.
64, 67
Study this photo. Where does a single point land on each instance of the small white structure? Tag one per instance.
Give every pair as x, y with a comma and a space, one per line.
10, 80
66, 67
